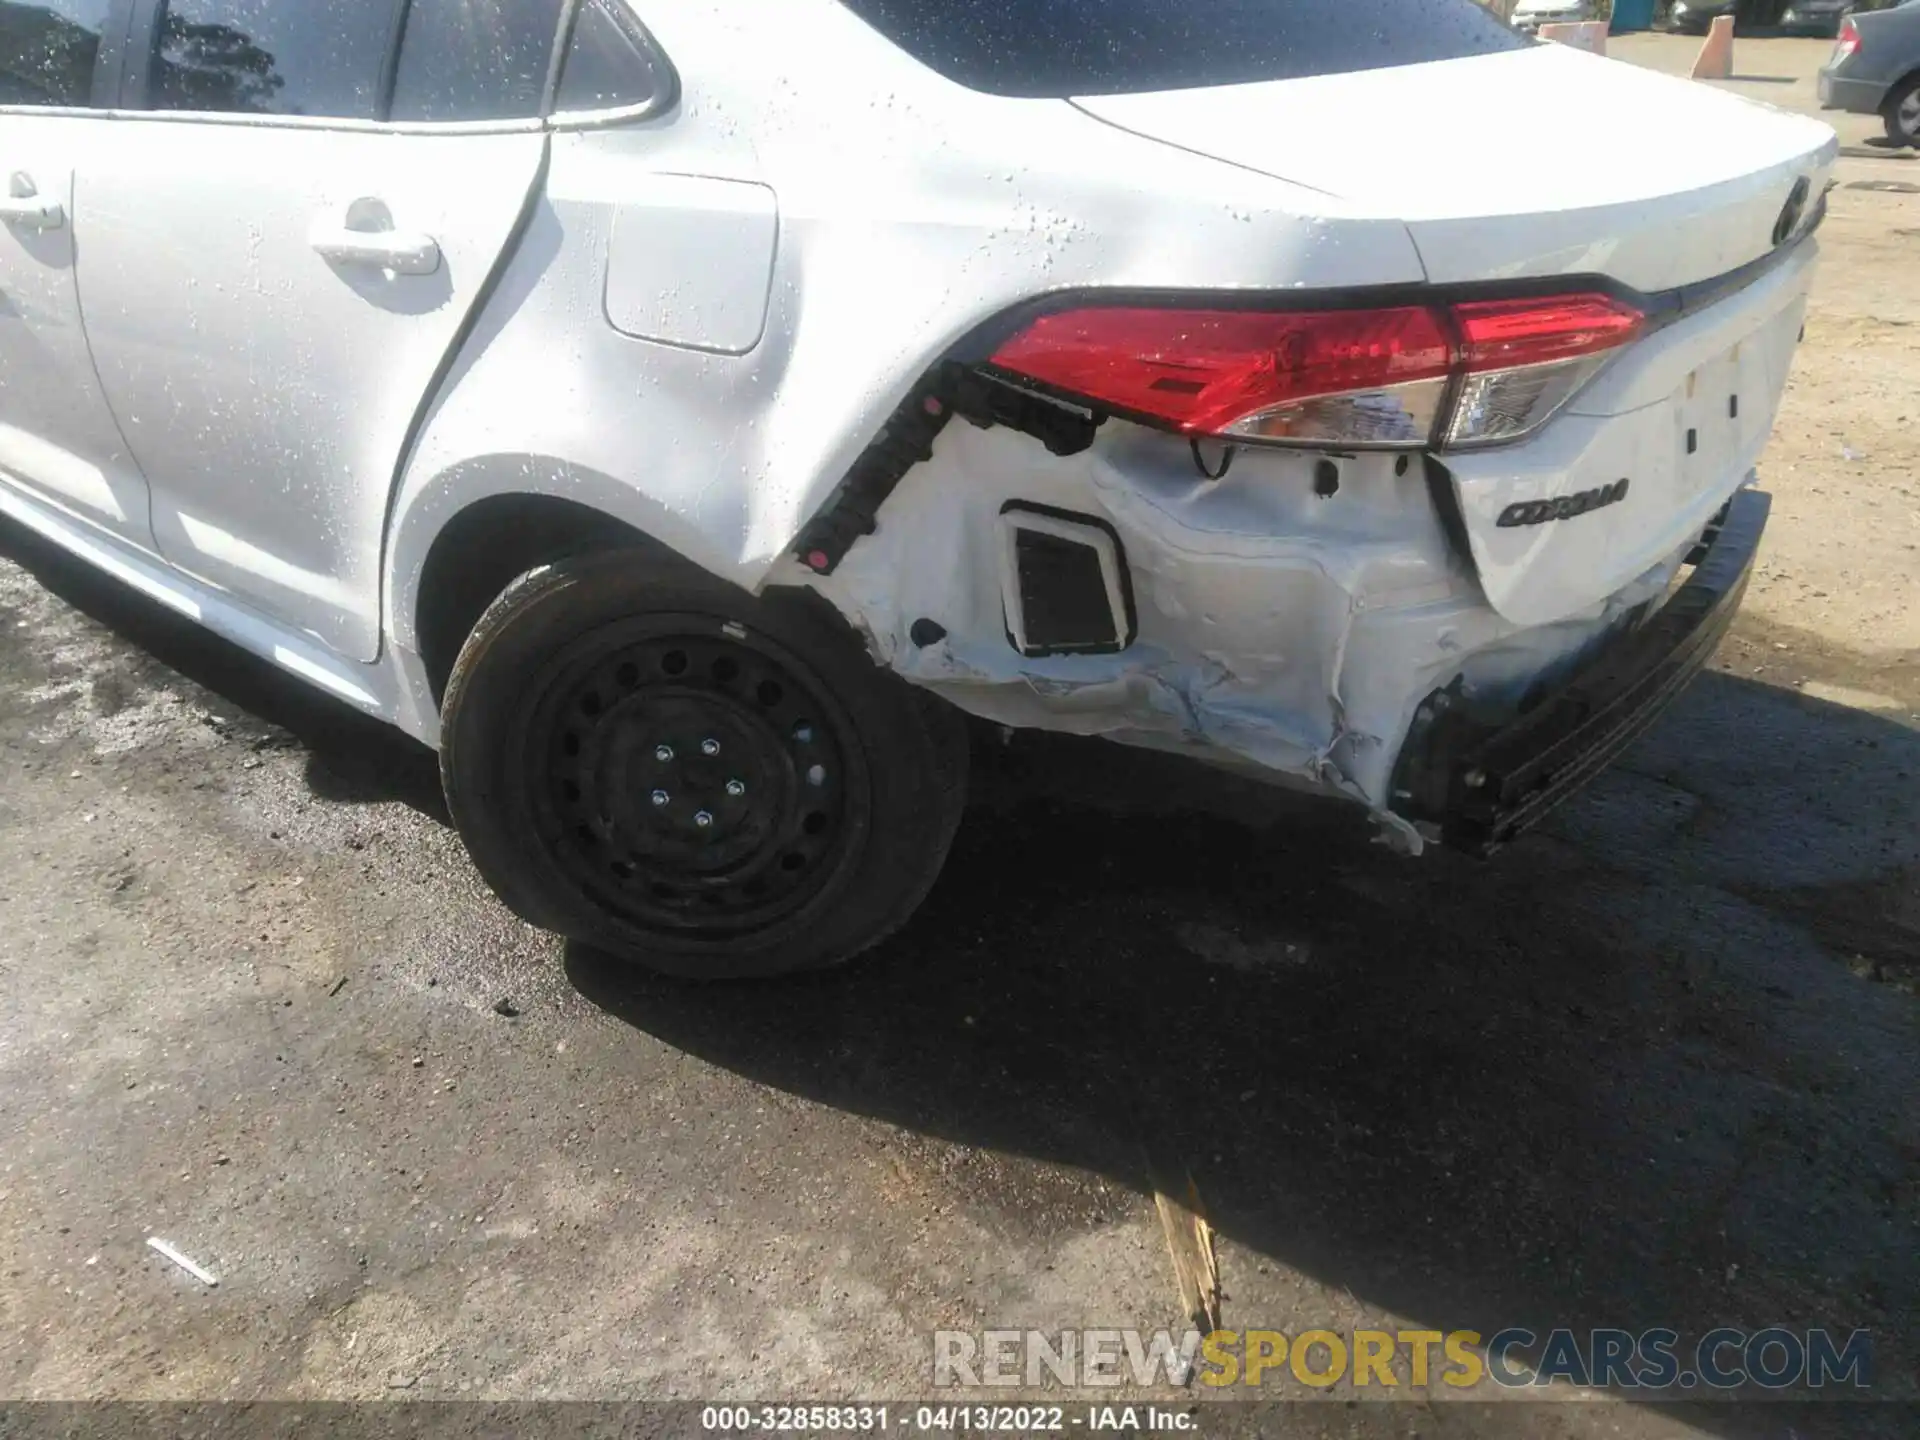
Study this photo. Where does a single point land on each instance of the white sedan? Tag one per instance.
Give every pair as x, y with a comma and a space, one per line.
679, 411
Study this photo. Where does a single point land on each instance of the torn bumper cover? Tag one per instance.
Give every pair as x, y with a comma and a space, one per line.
1482, 784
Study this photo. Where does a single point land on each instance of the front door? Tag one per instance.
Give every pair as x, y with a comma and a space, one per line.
277, 275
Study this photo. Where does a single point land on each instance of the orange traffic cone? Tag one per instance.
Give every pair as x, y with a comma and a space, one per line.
1588, 35
1716, 56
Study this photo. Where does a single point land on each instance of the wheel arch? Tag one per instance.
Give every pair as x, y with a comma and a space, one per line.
473, 530
1899, 83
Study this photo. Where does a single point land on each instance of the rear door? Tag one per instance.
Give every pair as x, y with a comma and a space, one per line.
57, 435
287, 246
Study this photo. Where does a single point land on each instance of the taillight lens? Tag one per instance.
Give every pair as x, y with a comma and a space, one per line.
1358, 378
1381, 374
1849, 40
1523, 359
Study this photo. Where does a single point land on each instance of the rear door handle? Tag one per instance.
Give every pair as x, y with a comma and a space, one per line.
364, 235
26, 207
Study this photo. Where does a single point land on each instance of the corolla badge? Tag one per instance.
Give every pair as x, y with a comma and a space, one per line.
1545, 512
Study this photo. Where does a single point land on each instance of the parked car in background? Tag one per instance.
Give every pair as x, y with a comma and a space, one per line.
1790, 17
1875, 70
679, 411
1817, 17
1530, 15
1693, 17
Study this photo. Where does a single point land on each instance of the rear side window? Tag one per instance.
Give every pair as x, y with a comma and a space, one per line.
1109, 47
272, 57
47, 50
609, 65
475, 59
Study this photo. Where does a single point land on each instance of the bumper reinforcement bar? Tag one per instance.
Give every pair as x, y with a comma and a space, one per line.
1485, 783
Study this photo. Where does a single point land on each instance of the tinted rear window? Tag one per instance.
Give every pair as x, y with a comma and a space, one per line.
1110, 47
47, 50
607, 64
474, 59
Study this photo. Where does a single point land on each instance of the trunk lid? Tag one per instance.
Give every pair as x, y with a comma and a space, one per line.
1549, 162
1543, 161
1681, 416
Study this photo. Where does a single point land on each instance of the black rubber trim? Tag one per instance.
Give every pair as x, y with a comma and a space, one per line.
1484, 784
907, 440
390, 63
109, 64
141, 42
557, 56
1691, 299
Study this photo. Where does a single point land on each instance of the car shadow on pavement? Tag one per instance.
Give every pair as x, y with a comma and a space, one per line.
1611, 1078
1654, 1067
350, 757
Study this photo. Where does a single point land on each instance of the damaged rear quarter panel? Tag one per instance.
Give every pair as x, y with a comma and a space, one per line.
906, 211
1279, 631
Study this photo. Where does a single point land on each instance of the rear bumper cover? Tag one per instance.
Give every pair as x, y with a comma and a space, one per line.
1484, 782
1859, 97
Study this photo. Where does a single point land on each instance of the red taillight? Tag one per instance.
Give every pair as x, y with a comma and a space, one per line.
1849, 40
1202, 371
1502, 334
1333, 377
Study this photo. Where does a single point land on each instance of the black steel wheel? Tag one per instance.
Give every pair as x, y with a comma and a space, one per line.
1902, 113
694, 780
712, 784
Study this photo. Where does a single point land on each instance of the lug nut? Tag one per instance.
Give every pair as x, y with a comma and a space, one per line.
663, 753
660, 797
709, 747
736, 789
703, 819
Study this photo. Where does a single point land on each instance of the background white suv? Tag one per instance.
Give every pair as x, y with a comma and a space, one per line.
630, 397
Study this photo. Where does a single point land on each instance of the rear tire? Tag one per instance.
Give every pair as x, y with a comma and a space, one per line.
707, 783
1902, 113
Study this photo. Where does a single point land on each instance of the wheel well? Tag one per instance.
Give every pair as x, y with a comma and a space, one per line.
488, 546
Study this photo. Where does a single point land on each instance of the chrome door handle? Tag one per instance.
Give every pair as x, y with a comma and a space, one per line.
26, 207
364, 235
